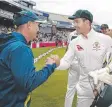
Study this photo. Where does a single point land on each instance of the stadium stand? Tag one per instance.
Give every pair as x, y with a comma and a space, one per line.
54, 31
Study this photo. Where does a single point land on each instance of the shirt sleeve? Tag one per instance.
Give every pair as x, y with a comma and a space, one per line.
68, 57
109, 52
23, 70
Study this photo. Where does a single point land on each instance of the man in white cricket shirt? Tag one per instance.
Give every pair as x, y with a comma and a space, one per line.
90, 48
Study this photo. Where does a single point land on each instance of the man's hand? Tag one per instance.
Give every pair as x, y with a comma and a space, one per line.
53, 59
50, 61
94, 75
56, 59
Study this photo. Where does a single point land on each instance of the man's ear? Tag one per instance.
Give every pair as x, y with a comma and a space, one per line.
87, 21
29, 24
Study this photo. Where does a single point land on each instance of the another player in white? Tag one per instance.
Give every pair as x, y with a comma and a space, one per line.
73, 75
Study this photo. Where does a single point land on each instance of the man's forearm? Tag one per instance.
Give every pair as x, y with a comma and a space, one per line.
63, 65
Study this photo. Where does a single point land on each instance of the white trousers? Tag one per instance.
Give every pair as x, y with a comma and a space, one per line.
73, 77
83, 102
84, 93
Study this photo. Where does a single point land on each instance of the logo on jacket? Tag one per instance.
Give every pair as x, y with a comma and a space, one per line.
96, 46
79, 48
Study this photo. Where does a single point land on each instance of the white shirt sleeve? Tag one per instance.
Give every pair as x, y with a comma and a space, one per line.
68, 57
109, 50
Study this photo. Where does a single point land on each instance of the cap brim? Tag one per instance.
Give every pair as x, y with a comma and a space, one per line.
72, 17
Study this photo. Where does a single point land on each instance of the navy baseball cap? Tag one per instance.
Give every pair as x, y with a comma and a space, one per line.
23, 17
82, 14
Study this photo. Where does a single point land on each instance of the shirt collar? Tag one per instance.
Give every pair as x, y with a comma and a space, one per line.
90, 34
19, 36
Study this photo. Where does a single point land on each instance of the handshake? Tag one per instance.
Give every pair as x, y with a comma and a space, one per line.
53, 59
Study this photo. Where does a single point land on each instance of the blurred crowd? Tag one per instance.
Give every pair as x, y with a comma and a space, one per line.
45, 34
60, 35
5, 29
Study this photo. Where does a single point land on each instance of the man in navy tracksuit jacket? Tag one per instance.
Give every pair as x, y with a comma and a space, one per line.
17, 72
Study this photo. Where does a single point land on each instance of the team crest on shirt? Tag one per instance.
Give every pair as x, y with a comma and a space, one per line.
96, 46
79, 48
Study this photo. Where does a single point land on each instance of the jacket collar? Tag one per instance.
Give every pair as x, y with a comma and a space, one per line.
19, 36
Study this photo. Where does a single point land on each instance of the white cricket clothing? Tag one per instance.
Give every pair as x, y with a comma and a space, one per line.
90, 53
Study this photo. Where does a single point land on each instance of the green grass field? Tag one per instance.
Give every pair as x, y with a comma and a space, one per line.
39, 51
52, 92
